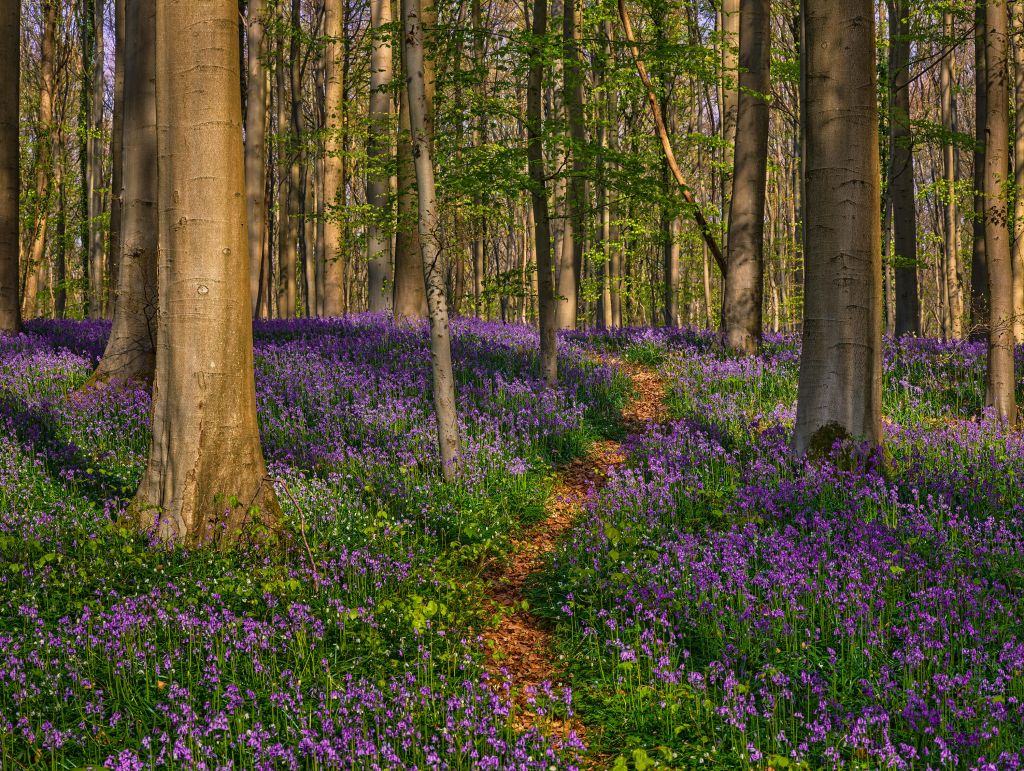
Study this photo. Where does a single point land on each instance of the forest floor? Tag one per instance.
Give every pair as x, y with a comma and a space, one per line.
521, 649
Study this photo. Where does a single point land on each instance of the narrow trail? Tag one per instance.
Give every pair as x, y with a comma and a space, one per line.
521, 648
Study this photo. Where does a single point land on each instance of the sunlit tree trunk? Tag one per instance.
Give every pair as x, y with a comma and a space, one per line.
43, 161
570, 264
413, 60
840, 386
954, 287
205, 479
131, 347
255, 148
1001, 378
744, 281
380, 268
1018, 171
10, 70
334, 263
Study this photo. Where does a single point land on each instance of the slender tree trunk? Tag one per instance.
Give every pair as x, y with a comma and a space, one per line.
571, 263
901, 173
1018, 171
43, 161
255, 148
729, 92
10, 71
97, 293
840, 387
413, 60
744, 280
380, 268
979, 260
116, 158
131, 348
1001, 380
333, 193
297, 164
205, 480
954, 288
539, 197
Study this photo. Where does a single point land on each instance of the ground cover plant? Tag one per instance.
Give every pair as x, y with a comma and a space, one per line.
358, 647
725, 605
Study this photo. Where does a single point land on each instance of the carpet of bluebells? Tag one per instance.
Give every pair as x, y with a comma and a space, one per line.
363, 651
726, 606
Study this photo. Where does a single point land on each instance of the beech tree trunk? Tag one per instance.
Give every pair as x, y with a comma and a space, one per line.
97, 291
410, 297
728, 95
1018, 172
979, 260
954, 287
413, 60
255, 147
901, 173
380, 268
131, 347
570, 265
205, 481
116, 159
334, 264
1001, 380
840, 387
10, 76
43, 161
744, 280
539, 198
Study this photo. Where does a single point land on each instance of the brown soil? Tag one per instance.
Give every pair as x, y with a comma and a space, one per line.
520, 646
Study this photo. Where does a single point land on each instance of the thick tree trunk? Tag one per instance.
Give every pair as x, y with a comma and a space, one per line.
539, 198
571, 264
380, 268
10, 70
131, 347
954, 288
979, 261
43, 161
334, 263
410, 296
97, 290
1001, 380
901, 173
255, 147
206, 479
413, 60
1018, 172
744, 280
840, 388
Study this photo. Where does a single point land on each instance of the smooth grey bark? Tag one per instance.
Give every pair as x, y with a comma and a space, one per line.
413, 60
10, 186
97, 291
570, 264
744, 280
901, 173
979, 262
116, 161
380, 268
954, 286
205, 480
728, 92
539, 197
1001, 380
840, 387
130, 353
334, 192
255, 147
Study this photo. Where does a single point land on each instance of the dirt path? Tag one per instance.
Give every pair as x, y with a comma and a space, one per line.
521, 645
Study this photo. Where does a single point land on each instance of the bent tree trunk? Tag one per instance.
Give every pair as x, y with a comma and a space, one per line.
741, 302
539, 198
1000, 392
205, 479
840, 390
440, 336
10, 68
131, 347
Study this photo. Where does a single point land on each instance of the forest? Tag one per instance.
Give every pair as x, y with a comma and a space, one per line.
534, 385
